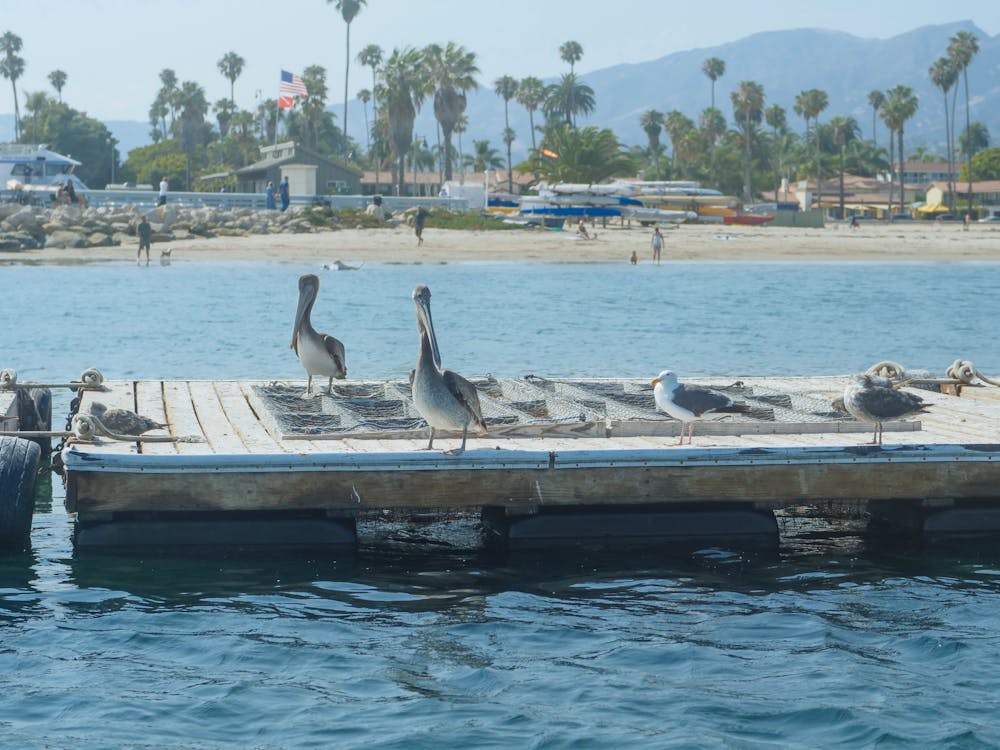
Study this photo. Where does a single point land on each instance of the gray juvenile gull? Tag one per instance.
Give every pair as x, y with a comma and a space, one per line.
445, 399
122, 421
873, 399
320, 354
691, 403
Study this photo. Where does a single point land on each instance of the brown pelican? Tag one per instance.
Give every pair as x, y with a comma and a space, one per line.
690, 403
873, 399
442, 397
319, 353
122, 421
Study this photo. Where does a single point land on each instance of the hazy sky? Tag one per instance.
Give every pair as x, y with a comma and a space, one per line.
113, 50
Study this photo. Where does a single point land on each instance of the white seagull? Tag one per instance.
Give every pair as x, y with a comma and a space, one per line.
870, 398
691, 403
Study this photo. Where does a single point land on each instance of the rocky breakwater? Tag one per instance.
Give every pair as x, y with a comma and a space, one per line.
31, 227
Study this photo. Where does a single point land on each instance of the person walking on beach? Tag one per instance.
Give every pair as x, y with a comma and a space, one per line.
145, 232
163, 192
283, 192
418, 225
657, 243
269, 196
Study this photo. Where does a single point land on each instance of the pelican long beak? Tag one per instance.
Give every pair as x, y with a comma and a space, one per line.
426, 323
305, 298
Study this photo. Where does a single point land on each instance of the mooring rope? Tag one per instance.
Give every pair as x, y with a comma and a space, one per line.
87, 426
90, 380
961, 370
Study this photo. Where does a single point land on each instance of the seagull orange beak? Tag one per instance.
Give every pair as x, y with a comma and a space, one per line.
654, 381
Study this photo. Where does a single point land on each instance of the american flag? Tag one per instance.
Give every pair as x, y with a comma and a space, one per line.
292, 84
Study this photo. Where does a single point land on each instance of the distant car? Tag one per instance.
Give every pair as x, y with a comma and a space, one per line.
990, 219
946, 217
901, 217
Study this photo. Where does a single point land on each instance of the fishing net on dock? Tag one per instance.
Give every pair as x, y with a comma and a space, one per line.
531, 405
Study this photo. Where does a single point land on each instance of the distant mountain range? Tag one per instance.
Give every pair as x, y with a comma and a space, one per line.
847, 67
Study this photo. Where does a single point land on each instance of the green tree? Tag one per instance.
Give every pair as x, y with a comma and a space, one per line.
531, 95
58, 79
845, 130
12, 68
567, 99
944, 75
712, 126
147, 164
483, 157
976, 139
224, 110
371, 56
962, 48
677, 125
777, 119
402, 92
875, 100
169, 92
748, 105
986, 164
809, 105
452, 73
349, 10
714, 68
506, 87
900, 105
193, 108
651, 123
231, 66
571, 52
588, 155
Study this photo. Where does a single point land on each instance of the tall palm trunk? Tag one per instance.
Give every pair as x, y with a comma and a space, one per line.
892, 175
968, 136
902, 185
347, 70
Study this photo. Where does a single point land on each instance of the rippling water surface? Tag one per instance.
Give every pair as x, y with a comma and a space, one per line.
833, 641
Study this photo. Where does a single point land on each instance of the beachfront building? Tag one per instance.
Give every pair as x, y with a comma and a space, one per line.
985, 198
865, 197
308, 172
922, 172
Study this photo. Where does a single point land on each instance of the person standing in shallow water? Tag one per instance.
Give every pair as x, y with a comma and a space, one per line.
145, 232
657, 244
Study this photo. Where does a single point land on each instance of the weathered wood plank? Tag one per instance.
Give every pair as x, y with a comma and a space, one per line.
244, 420
182, 417
218, 430
149, 403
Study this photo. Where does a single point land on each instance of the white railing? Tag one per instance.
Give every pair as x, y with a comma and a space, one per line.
148, 199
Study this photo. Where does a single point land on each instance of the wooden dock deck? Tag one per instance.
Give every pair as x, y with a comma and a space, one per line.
257, 449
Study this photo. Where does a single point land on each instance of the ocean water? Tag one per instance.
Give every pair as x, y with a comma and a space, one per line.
423, 640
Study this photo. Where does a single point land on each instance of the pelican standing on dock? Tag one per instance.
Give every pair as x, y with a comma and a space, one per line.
691, 403
870, 398
444, 398
320, 354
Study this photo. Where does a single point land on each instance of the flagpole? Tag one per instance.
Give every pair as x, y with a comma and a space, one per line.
277, 119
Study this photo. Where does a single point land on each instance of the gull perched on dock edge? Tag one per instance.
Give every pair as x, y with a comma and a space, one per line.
445, 399
122, 421
320, 354
870, 398
691, 403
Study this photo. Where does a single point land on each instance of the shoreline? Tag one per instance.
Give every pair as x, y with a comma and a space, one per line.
911, 242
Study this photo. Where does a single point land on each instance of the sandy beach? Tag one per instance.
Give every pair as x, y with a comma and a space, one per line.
923, 241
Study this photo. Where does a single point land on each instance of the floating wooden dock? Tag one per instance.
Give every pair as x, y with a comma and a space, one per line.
257, 457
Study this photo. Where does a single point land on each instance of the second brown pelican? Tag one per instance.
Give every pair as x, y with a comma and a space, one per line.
445, 399
320, 353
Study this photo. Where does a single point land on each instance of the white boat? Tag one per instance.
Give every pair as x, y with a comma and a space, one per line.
30, 168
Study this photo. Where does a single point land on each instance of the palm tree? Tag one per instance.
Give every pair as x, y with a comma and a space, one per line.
571, 52
714, 68
58, 79
483, 157
12, 68
231, 66
349, 10
402, 91
371, 55
845, 130
461, 126
748, 104
975, 140
506, 88
676, 124
809, 104
530, 95
224, 110
452, 72
588, 155
193, 107
962, 47
900, 105
169, 92
651, 122
712, 126
944, 75
777, 119
875, 100
35, 105
568, 98
365, 96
